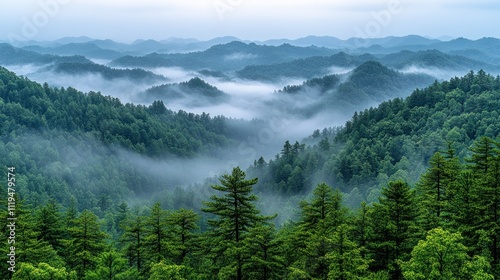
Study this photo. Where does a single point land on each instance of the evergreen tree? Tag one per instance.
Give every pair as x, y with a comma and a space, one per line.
50, 225
286, 152
182, 240
319, 220
156, 234
360, 224
392, 226
86, 243
71, 214
262, 254
346, 261
326, 205
485, 165
235, 214
482, 155
318, 246
462, 208
133, 239
324, 145
433, 188
28, 247
122, 212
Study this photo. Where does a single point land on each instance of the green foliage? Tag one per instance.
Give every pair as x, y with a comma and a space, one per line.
50, 225
28, 247
182, 241
326, 206
162, 271
156, 234
346, 260
387, 146
42, 271
60, 139
111, 265
397, 139
443, 256
263, 254
31, 106
133, 240
485, 167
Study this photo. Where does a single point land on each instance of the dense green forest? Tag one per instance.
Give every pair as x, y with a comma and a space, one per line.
444, 227
60, 140
407, 190
393, 141
151, 130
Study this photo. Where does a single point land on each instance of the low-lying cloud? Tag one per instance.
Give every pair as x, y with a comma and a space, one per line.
438, 73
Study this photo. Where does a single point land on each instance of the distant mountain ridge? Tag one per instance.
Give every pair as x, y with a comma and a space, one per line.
10, 55
223, 57
483, 50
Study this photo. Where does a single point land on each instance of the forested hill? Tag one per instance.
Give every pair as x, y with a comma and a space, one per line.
152, 130
390, 142
196, 88
136, 75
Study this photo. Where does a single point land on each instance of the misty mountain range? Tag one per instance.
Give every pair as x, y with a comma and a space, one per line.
108, 49
243, 79
303, 85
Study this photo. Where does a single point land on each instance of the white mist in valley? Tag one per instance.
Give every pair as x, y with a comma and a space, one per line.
439, 73
258, 110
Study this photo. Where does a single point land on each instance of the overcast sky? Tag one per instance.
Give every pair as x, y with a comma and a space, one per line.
126, 20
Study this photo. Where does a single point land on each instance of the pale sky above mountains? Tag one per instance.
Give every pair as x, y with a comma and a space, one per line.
127, 20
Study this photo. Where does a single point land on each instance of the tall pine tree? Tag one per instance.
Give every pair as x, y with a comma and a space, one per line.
392, 223
235, 214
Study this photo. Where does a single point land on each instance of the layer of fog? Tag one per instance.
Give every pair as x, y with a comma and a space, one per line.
282, 114
264, 118
439, 73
